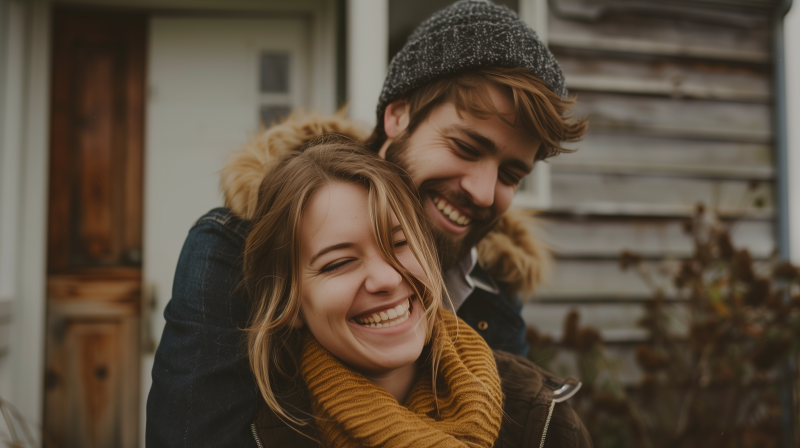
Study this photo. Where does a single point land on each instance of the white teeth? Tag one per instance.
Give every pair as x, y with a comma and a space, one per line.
397, 315
451, 212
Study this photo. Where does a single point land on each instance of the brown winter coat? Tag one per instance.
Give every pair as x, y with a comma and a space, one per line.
528, 392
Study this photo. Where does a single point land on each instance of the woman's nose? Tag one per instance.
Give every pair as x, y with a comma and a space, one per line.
381, 276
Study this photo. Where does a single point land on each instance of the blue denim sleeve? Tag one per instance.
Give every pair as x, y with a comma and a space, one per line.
203, 391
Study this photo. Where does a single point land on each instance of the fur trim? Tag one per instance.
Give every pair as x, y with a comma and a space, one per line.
511, 253
245, 169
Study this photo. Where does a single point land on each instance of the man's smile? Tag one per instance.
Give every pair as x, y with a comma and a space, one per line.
450, 211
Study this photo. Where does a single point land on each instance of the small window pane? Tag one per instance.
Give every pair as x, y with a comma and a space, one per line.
274, 74
274, 114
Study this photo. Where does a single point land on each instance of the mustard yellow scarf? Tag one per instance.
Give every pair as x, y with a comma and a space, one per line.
352, 412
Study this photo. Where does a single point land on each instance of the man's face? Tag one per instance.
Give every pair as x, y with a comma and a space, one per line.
466, 169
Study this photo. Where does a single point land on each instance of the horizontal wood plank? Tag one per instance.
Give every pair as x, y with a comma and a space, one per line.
664, 34
630, 154
676, 118
596, 280
584, 191
648, 75
617, 322
651, 238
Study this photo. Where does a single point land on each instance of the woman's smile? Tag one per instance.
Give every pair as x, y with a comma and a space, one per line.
391, 318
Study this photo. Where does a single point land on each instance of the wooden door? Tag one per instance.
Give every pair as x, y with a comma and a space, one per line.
95, 221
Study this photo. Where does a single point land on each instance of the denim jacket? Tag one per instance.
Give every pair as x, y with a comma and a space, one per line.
203, 391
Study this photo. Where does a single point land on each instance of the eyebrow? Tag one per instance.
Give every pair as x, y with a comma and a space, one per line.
343, 246
488, 144
330, 249
482, 140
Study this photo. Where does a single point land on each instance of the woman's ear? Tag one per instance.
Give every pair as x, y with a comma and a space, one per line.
395, 118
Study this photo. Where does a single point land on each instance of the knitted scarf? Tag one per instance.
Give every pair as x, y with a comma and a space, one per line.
352, 412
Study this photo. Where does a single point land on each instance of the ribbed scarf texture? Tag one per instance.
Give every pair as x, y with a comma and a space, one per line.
353, 412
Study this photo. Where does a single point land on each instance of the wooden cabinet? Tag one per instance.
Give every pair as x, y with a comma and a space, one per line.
94, 230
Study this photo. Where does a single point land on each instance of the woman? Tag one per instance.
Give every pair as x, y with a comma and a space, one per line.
349, 341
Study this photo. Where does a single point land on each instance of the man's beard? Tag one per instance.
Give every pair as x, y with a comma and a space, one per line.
451, 248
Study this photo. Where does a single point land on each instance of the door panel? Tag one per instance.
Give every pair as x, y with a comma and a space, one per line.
96, 141
209, 81
94, 248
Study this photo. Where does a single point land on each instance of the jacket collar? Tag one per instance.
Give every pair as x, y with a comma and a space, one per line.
511, 254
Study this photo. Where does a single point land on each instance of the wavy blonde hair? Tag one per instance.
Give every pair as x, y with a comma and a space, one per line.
272, 251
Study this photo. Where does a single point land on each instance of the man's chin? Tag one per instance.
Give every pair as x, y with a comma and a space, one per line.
451, 248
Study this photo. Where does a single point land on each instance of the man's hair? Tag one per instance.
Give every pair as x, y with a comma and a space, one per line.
538, 109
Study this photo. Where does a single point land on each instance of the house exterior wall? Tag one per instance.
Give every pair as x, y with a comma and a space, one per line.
792, 40
367, 56
679, 99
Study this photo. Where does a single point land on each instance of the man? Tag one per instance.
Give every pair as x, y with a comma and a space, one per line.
469, 104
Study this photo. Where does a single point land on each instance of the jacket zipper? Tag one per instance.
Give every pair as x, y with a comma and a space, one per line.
547, 422
563, 394
258, 441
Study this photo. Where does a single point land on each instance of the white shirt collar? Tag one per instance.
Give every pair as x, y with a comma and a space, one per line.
458, 282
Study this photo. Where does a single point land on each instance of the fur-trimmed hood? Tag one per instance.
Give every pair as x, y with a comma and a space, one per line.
511, 253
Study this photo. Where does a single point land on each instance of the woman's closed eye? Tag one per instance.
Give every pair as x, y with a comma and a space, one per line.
330, 267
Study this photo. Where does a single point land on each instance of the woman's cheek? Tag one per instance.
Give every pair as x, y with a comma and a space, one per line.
410, 262
339, 292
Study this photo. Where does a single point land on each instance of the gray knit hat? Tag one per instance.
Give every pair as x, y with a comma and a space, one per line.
468, 34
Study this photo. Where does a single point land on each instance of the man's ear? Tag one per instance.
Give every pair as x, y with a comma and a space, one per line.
395, 118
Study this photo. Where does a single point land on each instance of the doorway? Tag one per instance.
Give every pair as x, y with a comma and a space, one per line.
94, 258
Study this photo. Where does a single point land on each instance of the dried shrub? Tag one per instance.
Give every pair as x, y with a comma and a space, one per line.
715, 384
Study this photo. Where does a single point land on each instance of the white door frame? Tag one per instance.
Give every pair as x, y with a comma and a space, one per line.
25, 361
791, 29
26, 130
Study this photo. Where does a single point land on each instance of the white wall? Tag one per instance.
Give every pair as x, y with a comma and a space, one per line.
792, 39
23, 207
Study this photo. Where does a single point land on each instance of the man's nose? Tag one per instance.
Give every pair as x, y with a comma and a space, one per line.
480, 183
381, 276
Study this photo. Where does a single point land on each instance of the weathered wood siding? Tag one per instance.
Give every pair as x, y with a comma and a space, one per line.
679, 100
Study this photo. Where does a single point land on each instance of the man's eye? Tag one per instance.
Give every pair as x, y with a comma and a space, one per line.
510, 178
334, 266
466, 149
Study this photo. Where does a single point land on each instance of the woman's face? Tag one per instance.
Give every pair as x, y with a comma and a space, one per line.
353, 301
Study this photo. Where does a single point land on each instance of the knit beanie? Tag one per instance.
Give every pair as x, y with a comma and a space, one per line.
467, 34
